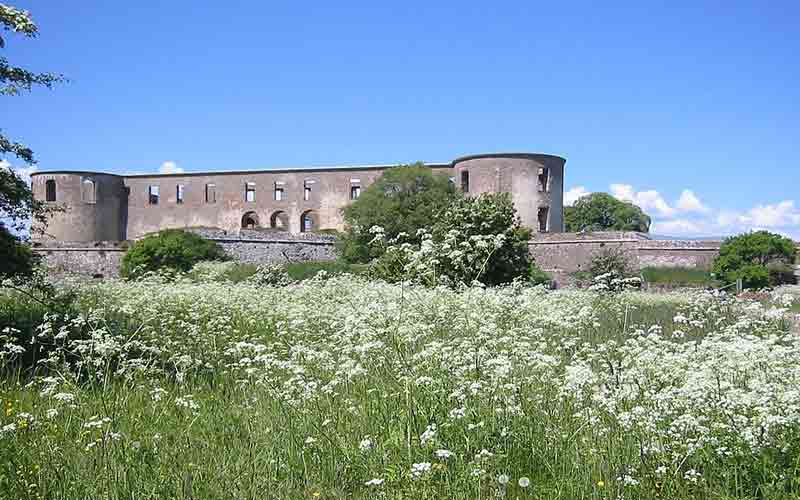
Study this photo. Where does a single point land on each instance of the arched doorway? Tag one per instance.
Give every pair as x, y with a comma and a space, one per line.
279, 220
307, 221
250, 220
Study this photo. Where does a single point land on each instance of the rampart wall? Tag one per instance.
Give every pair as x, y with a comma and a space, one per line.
564, 254
560, 254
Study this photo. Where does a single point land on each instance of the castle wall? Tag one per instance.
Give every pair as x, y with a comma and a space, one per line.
94, 206
121, 208
330, 191
519, 174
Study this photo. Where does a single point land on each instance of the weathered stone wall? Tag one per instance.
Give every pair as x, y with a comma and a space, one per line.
101, 259
564, 254
98, 259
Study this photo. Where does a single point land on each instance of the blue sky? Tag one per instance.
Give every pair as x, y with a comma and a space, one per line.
691, 109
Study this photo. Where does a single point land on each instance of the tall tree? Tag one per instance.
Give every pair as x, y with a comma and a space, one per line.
403, 199
601, 211
17, 204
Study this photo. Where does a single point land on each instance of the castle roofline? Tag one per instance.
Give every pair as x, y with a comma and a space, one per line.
344, 168
508, 155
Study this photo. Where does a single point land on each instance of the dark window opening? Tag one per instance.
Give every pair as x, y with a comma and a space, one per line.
279, 220
306, 222
211, 193
465, 182
307, 193
355, 192
153, 192
50, 190
544, 179
179, 194
543, 218
250, 220
278, 193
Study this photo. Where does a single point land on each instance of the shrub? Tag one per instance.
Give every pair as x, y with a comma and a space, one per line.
610, 260
404, 199
270, 275
473, 239
759, 259
18, 260
171, 249
538, 277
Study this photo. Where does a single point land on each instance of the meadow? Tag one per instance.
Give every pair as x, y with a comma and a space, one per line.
347, 388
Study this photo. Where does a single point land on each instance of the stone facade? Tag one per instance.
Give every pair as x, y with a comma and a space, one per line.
564, 254
115, 207
102, 259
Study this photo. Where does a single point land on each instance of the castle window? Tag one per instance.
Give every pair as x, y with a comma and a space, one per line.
179, 193
88, 194
250, 191
307, 193
544, 179
278, 194
306, 222
355, 192
50, 190
211, 193
465, 181
543, 218
153, 195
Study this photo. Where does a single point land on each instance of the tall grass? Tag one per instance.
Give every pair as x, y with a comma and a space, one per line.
353, 389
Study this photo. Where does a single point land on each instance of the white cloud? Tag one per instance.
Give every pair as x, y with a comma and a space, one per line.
689, 202
782, 214
648, 201
572, 195
676, 227
170, 167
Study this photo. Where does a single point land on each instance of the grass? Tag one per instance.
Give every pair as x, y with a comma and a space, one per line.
304, 270
678, 276
220, 390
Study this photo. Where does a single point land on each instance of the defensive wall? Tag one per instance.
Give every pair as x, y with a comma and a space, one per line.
102, 259
561, 255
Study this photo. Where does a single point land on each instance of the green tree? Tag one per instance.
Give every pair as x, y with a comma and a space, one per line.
759, 259
17, 203
172, 249
602, 212
403, 200
474, 239
18, 260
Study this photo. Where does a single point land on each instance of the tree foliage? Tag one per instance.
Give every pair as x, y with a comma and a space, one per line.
403, 200
475, 239
16, 259
17, 203
602, 212
759, 259
173, 249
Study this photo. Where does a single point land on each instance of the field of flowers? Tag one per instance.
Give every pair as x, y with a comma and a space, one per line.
345, 388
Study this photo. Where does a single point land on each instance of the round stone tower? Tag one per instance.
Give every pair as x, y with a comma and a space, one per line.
95, 205
535, 182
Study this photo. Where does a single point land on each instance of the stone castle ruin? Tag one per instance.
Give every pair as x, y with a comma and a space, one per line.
282, 214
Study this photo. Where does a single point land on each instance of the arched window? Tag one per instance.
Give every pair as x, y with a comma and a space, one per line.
50, 190
279, 220
307, 221
88, 191
250, 220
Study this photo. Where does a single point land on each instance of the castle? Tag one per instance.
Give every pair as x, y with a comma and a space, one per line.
109, 207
